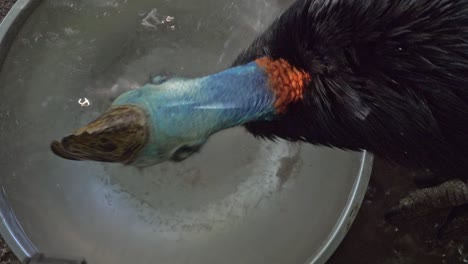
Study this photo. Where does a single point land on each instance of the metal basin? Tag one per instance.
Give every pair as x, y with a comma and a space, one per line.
241, 200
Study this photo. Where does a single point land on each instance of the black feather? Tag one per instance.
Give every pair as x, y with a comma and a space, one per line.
388, 76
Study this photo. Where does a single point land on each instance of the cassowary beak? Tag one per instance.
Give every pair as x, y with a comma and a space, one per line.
116, 136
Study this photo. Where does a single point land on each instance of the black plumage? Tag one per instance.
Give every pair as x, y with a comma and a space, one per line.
388, 76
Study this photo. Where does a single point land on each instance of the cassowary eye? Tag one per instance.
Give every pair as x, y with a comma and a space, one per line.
184, 152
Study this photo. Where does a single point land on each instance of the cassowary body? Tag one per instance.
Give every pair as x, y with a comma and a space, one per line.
387, 76
390, 77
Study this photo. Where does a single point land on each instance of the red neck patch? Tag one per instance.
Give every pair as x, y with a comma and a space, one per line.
286, 81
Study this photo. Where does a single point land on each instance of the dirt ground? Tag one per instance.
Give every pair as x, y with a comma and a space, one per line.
6, 256
5, 5
370, 239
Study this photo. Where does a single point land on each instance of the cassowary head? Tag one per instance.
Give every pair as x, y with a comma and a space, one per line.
170, 119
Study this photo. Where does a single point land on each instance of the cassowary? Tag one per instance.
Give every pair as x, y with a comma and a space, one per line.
390, 77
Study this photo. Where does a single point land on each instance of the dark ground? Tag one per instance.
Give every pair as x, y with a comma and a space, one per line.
5, 5
370, 239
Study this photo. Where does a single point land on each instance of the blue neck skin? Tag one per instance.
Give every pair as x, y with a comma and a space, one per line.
187, 111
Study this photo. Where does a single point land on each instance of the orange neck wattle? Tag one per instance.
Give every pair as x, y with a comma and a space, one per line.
287, 82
